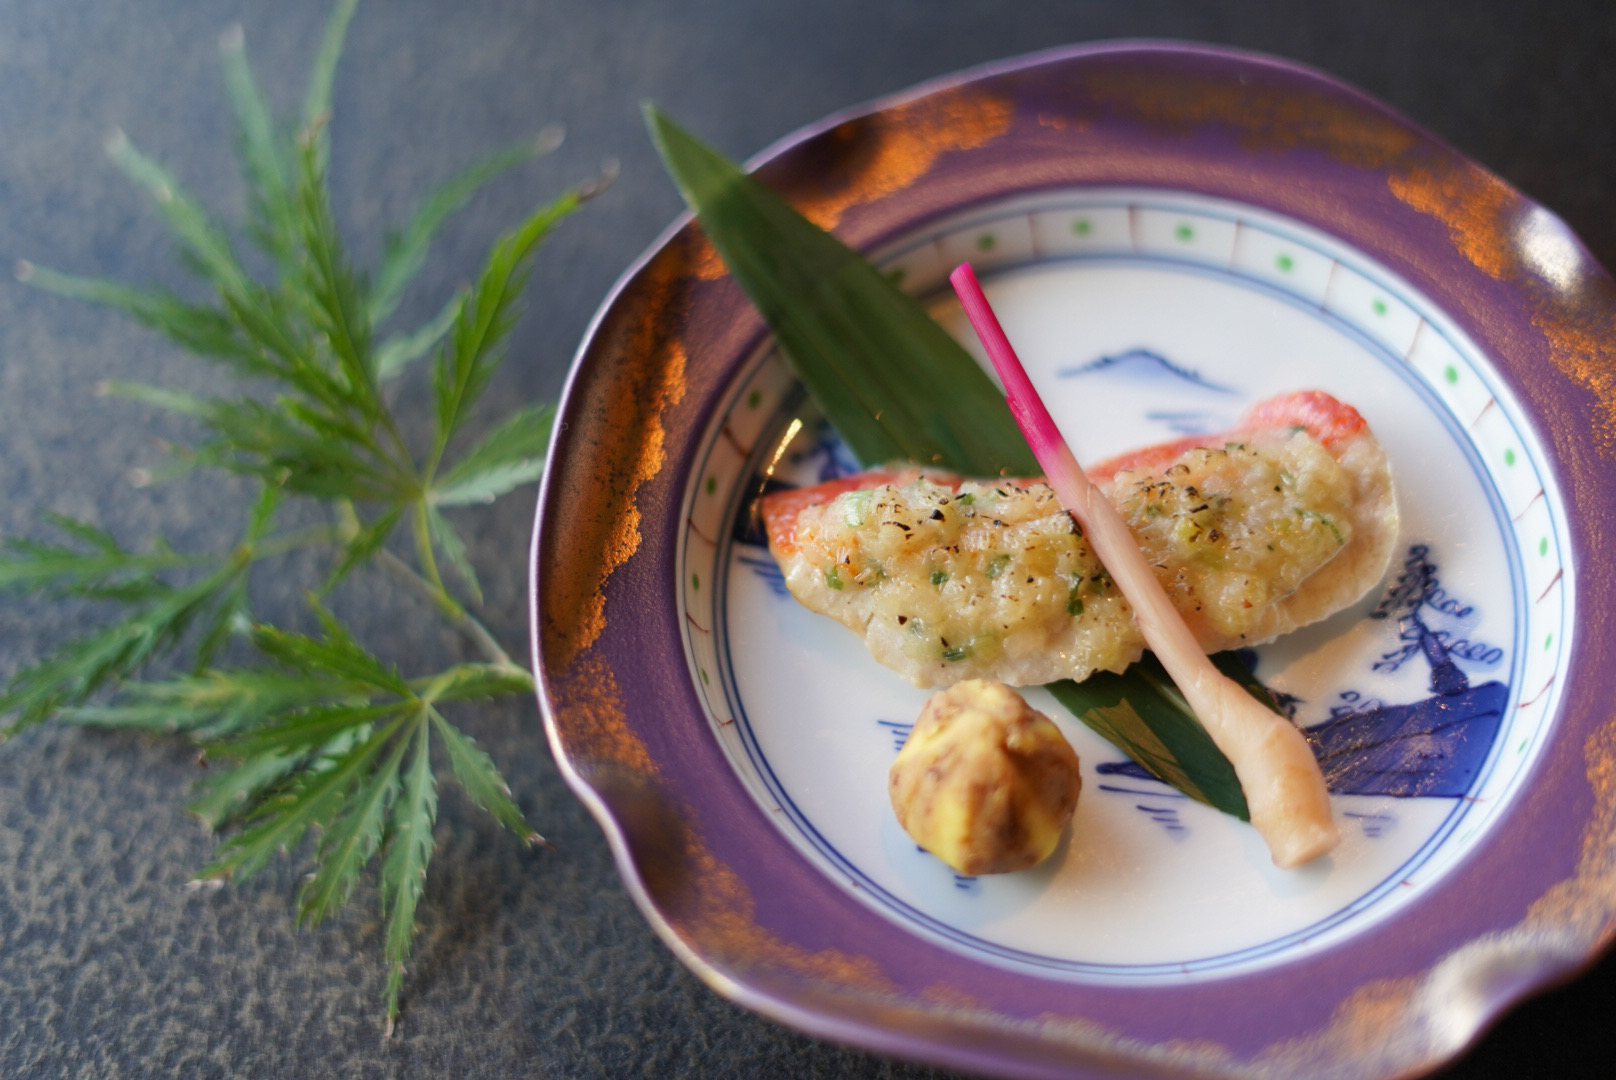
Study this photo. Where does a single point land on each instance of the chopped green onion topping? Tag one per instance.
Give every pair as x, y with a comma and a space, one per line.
856, 508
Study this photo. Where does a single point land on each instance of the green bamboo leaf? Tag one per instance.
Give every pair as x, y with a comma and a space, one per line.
476, 772
894, 383
1143, 714
260, 149
409, 851
1236, 666
401, 350
405, 253
347, 845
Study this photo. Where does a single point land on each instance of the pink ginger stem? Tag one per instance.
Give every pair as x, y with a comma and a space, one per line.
1285, 792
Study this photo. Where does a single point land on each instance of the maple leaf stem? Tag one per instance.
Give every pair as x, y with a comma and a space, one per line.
464, 620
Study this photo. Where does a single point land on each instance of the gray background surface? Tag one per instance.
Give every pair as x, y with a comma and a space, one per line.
529, 963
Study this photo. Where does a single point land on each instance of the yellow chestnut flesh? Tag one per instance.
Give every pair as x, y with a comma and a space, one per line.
985, 782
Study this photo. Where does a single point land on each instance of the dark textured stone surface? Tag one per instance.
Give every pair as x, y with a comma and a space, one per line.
529, 963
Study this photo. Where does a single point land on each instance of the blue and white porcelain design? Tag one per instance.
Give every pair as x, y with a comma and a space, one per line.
1143, 315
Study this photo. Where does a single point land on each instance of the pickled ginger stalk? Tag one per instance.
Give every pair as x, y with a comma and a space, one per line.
1284, 788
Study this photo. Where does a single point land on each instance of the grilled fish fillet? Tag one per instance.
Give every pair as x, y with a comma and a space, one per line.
1279, 523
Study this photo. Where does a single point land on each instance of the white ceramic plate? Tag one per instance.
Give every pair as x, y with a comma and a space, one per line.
1144, 315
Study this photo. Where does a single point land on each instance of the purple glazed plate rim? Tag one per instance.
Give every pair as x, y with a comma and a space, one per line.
1532, 903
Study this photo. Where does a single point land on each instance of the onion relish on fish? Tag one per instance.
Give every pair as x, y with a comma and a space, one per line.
949, 578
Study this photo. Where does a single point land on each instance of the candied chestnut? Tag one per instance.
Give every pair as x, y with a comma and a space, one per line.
985, 782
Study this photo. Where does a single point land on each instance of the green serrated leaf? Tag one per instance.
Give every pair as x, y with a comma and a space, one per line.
40, 566
476, 772
401, 350
184, 460
229, 618
234, 793
323, 732
209, 705
260, 148
200, 236
334, 288
308, 729
171, 400
350, 841
203, 330
406, 252
454, 550
77, 670
337, 657
94, 535
285, 352
290, 444
365, 543
468, 681
280, 823
473, 353
270, 500
485, 487
317, 102
512, 454
409, 851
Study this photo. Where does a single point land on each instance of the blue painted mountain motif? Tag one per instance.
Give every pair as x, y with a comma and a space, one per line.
1431, 748
1146, 366
1179, 392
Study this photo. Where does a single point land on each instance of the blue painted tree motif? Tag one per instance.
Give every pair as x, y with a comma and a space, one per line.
1416, 592
1435, 747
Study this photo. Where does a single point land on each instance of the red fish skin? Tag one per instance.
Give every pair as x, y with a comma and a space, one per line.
1327, 419
782, 508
